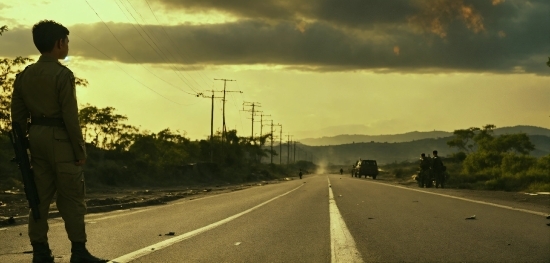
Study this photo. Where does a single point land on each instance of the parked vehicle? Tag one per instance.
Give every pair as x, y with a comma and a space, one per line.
366, 168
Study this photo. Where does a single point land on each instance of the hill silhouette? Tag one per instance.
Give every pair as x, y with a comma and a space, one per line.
412, 136
395, 148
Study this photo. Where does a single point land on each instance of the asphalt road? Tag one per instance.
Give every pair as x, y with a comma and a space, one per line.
353, 220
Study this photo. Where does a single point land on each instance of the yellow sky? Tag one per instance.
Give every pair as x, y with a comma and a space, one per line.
303, 101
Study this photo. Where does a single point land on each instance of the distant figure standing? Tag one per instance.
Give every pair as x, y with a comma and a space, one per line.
341, 171
300, 174
45, 93
424, 174
438, 170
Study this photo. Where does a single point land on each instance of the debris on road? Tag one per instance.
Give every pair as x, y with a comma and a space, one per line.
237, 243
548, 217
371, 217
471, 217
339, 195
170, 234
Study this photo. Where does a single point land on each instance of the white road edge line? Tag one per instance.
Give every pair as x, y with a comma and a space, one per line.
342, 245
168, 242
466, 199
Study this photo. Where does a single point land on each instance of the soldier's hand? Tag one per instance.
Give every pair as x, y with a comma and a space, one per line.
80, 162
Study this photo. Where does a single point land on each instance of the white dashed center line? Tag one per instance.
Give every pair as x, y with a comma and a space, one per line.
342, 245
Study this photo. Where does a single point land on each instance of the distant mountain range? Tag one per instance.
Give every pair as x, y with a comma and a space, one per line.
412, 136
346, 149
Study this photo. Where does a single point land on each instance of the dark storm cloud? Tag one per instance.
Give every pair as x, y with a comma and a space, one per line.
355, 13
472, 36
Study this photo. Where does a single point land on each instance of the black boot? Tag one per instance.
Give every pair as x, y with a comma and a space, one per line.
79, 254
41, 253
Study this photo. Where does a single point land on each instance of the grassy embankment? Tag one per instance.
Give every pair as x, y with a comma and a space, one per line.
513, 173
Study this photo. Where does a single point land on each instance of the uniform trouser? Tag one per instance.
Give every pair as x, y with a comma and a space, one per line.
439, 178
424, 178
53, 162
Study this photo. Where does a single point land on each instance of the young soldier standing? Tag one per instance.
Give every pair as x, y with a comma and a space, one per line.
424, 176
45, 93
438, 169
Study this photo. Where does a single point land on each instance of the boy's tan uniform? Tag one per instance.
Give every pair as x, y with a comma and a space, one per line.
45, 93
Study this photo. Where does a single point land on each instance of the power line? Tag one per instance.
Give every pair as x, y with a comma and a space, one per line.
127, 72
163, 56
186, 81
116, 38
173, 44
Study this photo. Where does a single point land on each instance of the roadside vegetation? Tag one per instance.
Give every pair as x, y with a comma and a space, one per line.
486, 161
122, 155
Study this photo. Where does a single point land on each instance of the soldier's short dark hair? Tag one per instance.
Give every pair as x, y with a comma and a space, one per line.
422, 155
434, 152
46, 32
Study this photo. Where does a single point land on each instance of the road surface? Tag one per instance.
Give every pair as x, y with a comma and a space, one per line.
322, 218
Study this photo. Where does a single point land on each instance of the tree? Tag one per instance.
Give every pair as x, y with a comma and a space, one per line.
464, 139
3, 29
8, 69
105, 129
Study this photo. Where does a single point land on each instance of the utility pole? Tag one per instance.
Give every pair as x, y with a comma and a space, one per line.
262, 122
253, 105
289, 141
211, 123
294, 151
271, 162
224, 130
280, 144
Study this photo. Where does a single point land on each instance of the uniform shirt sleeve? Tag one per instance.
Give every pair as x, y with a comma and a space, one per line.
69, 111
19, 112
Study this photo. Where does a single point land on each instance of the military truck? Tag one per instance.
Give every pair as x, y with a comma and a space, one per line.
366, 168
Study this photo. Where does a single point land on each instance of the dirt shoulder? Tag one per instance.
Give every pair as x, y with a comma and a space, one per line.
13, 203
539, 202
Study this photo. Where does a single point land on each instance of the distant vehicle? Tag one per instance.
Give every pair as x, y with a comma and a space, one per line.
366, 168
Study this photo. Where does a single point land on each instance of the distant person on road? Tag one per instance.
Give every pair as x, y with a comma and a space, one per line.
341, 171
45, 93
300, 174
424, 174
438, 170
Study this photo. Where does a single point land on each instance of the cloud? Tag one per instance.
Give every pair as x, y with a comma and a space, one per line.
508, 38
436, 16
396, 50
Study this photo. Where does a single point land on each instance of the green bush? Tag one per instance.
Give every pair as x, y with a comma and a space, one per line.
513, 164
479, 161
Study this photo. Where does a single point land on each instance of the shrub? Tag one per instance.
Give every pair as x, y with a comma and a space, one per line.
480, 161
513, 164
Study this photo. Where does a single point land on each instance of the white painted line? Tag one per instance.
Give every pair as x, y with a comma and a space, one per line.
168, 242
342, 245
465, 199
